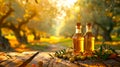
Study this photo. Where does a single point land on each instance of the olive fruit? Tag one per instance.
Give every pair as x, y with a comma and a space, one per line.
82, 57
95, 57
72, 59
109, 52
64, 56
68, 55
89, 57
78, 57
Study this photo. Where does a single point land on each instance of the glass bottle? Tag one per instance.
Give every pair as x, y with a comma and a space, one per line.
89, 39
78, 40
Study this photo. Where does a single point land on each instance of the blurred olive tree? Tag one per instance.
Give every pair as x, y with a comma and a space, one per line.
103, 14
25, 17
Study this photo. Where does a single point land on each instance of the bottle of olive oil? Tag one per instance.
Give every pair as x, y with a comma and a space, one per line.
89, 39
78, 40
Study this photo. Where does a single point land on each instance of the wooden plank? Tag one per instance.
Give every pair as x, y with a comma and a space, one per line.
111, 63
62, 63
47, 61
39, 59
27, 61
7, 61
89, 63
3, 57
44, 60
18, 58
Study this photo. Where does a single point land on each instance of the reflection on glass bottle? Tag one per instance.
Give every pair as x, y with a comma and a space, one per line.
89, 39
78, 40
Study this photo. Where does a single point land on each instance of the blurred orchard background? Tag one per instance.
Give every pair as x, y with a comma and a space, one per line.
42, 24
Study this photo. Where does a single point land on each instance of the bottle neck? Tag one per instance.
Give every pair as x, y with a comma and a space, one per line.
78, 30
88, 29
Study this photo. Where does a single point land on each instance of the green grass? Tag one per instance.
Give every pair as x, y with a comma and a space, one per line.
65, 42
38, 46
68, 43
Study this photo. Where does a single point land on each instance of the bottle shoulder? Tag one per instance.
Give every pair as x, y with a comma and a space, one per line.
89, 34
77, 35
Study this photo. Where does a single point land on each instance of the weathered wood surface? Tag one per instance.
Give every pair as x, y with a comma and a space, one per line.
3, 57
44, 60
40, 60
17, 59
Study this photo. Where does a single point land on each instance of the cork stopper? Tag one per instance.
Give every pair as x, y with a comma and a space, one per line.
89, 25
78, 25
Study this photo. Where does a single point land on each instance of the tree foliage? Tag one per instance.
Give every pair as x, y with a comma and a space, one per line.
20, 17
103, 14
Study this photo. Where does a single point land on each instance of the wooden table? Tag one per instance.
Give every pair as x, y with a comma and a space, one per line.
15, 59
44, 60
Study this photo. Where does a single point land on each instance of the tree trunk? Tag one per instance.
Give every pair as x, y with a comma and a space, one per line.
20, 38
106, 36
4, 42
106, 31
36, 37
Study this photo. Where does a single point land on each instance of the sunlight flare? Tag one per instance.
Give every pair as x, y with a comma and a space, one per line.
62, 5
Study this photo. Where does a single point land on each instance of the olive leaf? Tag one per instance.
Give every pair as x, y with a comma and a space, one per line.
51, 55
101, 50
105, 56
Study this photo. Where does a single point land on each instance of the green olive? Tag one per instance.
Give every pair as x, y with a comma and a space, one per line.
109, 52
74, 56
89, 56
64, 56
96, 56
78, 57
71, 59
82, 57
68, 55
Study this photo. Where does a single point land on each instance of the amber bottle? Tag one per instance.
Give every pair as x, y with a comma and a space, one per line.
89, 39
78, 40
